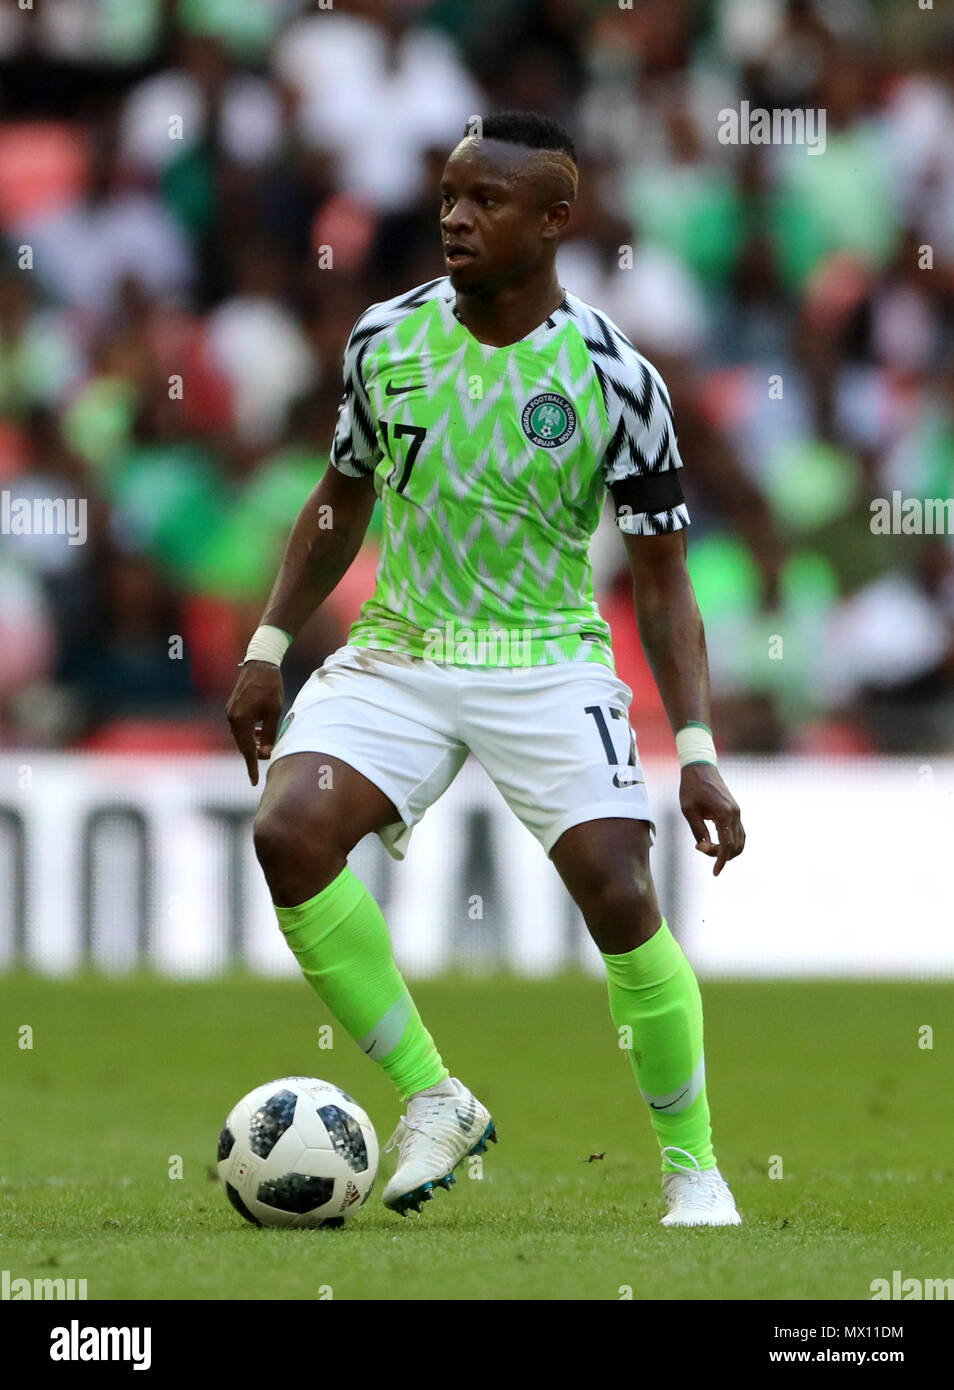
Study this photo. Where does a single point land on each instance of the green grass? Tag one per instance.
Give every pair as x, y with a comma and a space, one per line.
829, 1076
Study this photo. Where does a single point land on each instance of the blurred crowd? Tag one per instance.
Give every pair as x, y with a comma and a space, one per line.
198, 198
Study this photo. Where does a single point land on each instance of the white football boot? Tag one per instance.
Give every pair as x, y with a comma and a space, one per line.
697, 1196
437, 1133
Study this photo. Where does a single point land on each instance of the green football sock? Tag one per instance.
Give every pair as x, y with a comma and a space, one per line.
654, 993
343, 946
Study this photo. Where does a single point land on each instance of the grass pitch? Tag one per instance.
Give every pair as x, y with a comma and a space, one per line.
824, 1081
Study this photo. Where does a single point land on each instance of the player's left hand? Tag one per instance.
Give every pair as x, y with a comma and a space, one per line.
703, 797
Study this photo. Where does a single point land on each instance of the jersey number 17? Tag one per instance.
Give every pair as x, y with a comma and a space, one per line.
416, 433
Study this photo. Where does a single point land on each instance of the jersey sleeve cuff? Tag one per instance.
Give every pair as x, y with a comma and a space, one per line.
653, 523
352, 467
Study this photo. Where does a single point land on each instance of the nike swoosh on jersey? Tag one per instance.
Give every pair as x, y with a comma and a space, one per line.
392, 390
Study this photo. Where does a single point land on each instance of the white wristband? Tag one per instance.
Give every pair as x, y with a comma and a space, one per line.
694, 744
267, 644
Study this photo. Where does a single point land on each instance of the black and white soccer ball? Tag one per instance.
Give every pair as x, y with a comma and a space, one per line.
297, 1152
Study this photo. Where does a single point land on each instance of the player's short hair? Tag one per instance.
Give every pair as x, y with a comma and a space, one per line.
528, 128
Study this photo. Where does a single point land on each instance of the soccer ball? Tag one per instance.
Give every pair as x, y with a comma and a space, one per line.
297, 1152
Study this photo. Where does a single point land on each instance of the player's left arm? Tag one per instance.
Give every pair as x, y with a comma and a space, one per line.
670, 627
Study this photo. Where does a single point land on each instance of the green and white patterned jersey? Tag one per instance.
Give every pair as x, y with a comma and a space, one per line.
492, 466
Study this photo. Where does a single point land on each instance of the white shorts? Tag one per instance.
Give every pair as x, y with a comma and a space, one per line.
555, 740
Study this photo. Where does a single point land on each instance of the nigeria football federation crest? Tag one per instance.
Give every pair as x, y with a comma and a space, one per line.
548, 420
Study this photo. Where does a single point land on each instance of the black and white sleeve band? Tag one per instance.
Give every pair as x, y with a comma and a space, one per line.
647, 492
355, 449
641, 461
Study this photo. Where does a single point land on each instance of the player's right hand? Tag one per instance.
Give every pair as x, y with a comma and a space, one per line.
253, 712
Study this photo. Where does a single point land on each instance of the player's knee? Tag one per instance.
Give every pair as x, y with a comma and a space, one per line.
292, 847
626, 895
621, 907
612, 881
274, 837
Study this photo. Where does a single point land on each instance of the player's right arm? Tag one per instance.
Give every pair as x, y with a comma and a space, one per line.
323, 542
